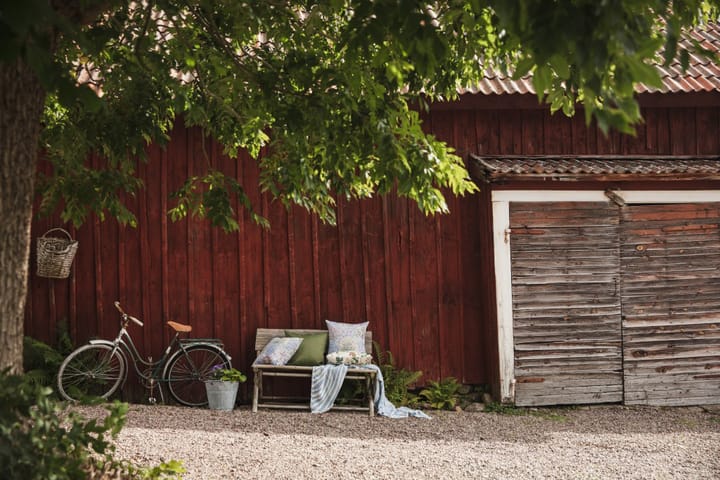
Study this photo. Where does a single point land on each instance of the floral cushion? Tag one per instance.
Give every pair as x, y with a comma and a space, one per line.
349, 358
279, 350
346, 337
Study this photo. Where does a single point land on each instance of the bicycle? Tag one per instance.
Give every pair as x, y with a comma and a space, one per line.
100, 368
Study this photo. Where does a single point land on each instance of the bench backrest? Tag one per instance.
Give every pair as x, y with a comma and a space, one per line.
264, 335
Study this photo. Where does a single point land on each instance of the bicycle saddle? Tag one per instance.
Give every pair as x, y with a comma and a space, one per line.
179, 327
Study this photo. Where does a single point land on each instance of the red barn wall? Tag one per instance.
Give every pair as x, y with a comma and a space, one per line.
424, 283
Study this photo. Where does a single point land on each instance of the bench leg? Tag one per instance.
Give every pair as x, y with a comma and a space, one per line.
371, 394
257, 382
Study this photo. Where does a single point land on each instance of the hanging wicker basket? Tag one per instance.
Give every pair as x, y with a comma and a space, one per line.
55, 255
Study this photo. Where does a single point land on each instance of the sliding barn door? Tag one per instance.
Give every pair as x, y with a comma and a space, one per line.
566, 303
671, 303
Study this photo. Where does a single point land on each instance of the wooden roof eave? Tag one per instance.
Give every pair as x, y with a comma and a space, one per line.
505, 178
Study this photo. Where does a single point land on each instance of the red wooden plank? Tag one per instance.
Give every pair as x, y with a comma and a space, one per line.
292, 290
226, 276
278, 280
163, 234
244, 352
452, 322
424, 293
402, 327
580, 134
465, 138
663, 131
252, 254
533, 132
143, 273
557, 133
480, 328
682, 132
387, 239
177, 232
487, 132
302, 269
200, 264
130, 276
469, 259
510, 132
153, 217
708, 131
319, 322
637, 144
373, 268
351, 261
72, 307
330, 281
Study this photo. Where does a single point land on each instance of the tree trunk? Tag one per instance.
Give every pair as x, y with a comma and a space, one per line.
21, 105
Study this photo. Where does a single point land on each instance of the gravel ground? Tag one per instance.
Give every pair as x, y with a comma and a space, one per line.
605, 442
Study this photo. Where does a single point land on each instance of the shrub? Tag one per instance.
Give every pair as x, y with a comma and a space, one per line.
397, 380
442, 395
41, 439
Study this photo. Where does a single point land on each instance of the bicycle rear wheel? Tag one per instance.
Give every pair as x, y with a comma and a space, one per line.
187, 371
91, 371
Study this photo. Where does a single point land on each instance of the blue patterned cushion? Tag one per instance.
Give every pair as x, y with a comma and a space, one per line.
279, 350
346, 336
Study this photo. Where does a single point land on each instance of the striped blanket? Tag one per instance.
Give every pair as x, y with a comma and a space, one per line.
328, 379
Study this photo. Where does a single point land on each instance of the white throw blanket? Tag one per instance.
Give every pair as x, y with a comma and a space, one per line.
328, 379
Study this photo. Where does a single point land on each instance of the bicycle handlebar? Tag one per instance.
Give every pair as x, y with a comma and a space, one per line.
125, 315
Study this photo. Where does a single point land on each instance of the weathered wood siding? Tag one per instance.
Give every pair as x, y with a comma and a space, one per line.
566, 303
671, 303
578, 268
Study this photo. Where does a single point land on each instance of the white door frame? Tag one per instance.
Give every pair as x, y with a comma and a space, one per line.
503, 268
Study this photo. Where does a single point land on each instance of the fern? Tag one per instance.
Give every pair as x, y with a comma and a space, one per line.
40, 361
397, 380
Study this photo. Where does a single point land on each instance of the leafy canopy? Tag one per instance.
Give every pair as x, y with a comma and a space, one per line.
325, 95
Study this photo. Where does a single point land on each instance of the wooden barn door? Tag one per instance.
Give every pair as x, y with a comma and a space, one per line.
670, 259
566, 303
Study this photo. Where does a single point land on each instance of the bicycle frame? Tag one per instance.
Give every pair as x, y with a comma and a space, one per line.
124, 344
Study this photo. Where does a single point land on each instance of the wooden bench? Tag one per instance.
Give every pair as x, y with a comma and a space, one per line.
263, 336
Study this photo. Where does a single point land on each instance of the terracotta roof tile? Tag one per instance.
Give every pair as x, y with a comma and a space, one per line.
579, 167
702, 75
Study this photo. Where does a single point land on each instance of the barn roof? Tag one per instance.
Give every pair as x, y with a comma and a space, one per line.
498, 168
702, 75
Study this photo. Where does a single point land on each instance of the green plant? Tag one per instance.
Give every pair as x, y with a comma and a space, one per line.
442, 395
41, 439
40, 361
227, 374
504, 409
397, 380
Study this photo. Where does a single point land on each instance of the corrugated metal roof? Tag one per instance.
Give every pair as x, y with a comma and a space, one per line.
494, 168
701, 76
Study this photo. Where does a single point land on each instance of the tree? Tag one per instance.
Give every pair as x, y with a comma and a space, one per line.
328, 91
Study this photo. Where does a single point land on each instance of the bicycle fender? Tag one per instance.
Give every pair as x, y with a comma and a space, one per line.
118, 347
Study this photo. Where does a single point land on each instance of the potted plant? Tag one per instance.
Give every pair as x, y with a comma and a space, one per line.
222, 387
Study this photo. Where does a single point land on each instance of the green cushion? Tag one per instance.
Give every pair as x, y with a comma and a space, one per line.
312, 349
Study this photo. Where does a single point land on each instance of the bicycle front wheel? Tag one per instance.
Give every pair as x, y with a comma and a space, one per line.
91, 371
187, 371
